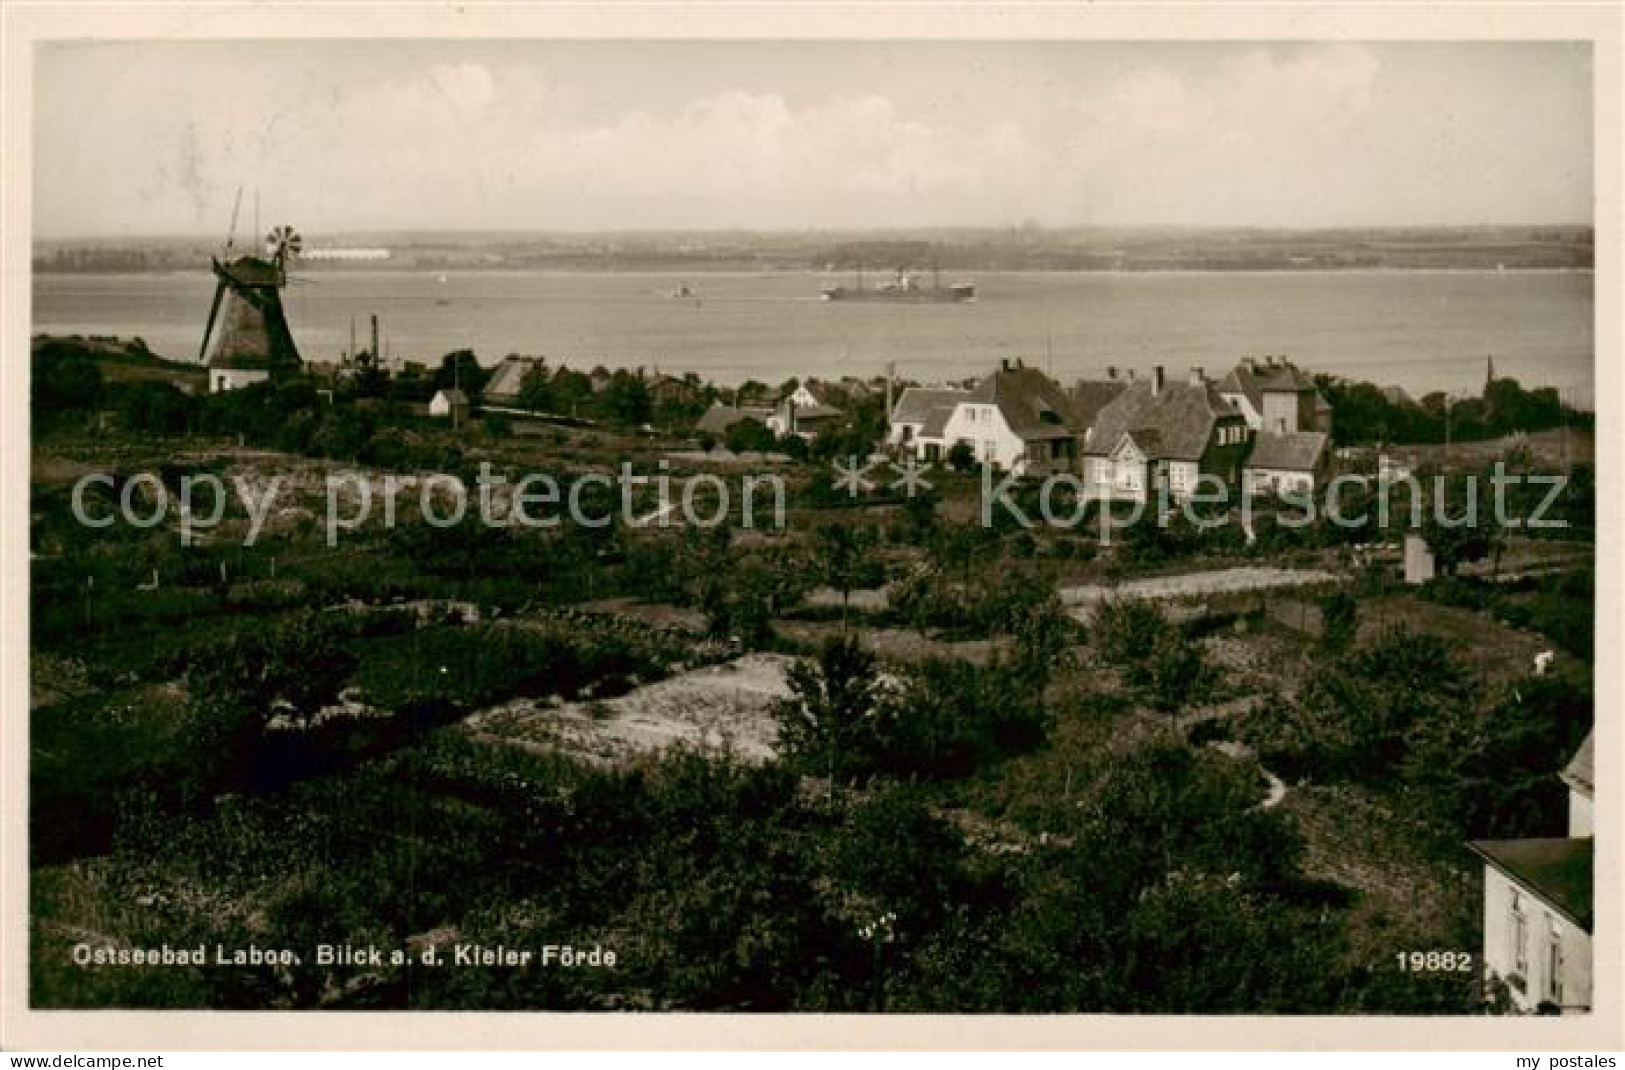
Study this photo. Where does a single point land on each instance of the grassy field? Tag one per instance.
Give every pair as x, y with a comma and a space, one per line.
544, 755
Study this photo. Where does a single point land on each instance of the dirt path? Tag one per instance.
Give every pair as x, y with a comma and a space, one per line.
1193, 584
1241, 752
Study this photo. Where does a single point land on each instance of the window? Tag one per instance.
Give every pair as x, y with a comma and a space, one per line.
1520, 938
1554, 964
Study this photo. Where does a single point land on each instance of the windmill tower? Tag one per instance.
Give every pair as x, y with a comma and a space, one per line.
252, 343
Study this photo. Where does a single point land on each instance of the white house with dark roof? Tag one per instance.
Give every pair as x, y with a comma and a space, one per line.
1581, 780
449, 402
806, 411
1276, 396
1286, 463
1017, 419
919, 419
1157, 431
1538, 918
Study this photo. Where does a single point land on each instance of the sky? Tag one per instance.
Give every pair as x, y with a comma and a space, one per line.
150, 138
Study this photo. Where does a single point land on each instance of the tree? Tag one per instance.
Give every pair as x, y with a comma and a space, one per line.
536, 389
460, 369
626, 400
1175, 673
63, 381
920, 514
845, 560
831, 703
750, 436
961, 457
1125, 631
1339, 619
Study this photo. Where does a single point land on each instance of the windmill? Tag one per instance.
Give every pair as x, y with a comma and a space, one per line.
253, 342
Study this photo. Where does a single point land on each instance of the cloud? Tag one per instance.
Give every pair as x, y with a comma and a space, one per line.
1261, 134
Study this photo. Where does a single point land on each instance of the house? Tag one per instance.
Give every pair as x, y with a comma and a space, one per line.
1089, 396
1157, 432
1581, 779
719, 418
1276, 396
922, 412
1538, 907
791, 417
809, 409
451, 403
1286, 463
812, 393
670, 390
508, 379
1017, 419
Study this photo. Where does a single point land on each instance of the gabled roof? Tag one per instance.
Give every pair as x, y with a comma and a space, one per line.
452, 395
1089, 396
1557, 870
719, 417
810, 412
928, 407
1294, 451
936, 421
1579, 774
1032, 404
828, 394
1255, 378
509, 376
1148, 440
1182, 415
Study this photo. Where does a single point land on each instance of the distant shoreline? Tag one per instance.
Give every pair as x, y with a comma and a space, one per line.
808, 273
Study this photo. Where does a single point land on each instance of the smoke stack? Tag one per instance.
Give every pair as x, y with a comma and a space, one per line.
1156, 380
1198, 380
377, 357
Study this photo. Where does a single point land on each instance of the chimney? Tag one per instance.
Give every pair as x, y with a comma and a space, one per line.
1156, 380
1198, 380
377, 358
1131, 375
1005, 363
1111, 372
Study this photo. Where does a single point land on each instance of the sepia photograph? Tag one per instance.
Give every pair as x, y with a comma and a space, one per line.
880, 525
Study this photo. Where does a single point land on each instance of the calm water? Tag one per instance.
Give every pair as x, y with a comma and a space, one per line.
1423, 331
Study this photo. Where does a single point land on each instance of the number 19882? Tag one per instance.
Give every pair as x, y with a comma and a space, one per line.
1435, 961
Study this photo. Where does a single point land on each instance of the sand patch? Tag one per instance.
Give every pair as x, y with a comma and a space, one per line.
726, 707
